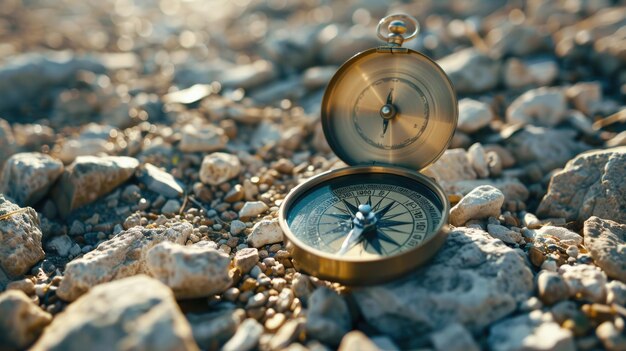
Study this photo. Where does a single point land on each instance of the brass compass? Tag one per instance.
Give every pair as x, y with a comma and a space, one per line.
388, 112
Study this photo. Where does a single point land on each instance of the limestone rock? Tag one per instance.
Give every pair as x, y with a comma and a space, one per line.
478, 159
503, 233
8, 145
218, 168
606, 241
246, 258
328, 318
473, 115
120, 257
453, 166
454, 337
474, 280
564, 235
482, 202
512, 188
551, 287
88, 178
592, 184
61, 244
20, 240
252, 209
471, 71
190, 271
160, 181
546, 148
136, 313
27, 177
616, 293
586, 281
534, 331
542, 107
265, 232
21, 320
207, 138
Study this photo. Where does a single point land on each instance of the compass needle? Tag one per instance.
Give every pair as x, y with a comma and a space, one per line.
379, 211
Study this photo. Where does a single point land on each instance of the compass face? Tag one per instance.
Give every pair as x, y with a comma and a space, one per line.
390, 109
407, 124
406, 214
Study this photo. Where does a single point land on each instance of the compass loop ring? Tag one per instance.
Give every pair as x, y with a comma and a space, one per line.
392, 31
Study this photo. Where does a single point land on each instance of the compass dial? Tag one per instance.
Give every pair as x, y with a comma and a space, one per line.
409, 108
404, 214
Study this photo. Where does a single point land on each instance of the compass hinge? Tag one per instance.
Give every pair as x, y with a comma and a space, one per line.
392, 50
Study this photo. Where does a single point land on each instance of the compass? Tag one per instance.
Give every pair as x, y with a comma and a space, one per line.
388, 113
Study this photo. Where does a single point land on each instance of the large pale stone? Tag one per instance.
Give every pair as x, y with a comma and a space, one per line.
90, 177
190, 271
542, 107
482, 202
136, 313
532, 332
27, 177
218, 168
207, 138
20, 240
473, 115
21, 320
471, 71
474, 280
328, 318
592, 184
452, 167
120, 257
606, 241
265, 232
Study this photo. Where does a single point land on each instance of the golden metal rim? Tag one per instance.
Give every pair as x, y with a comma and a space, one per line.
326, 123
355, 271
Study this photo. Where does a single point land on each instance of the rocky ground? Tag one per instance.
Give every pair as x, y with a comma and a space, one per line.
147, 146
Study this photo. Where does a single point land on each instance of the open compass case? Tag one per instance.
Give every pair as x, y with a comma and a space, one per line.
388, 113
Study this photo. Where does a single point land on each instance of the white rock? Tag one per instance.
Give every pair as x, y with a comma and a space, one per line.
237, 226
542, 107
564, 235
21, 320
587, 280
252, 209
478, 158
137, 313
473, 115
503, 233
534, 331
453, 166
512, 188
473, 280
61, 244
190, 271
160, 181
454, 337
206, 138
246, 258
606, 241
122, 256
218, 168
471, 71
27, 177
551, 287
246, 338
482, 202
88, 178
265, 232
328, 318
20, 240
616, 293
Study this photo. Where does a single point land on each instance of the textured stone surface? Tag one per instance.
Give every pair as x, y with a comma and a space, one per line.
585, 281
120, 257
542, 107
207, 138
592, 184
135, 313
474, 280
453, 166
90, 177
252, 209
473, 115
265, 232
512, 188
564, 235
219, 167
471, 71
551, 287
531, 332
20, 240
246, 258
160, 181
482, 202
212, 330
190, 271
328, 318
27, 177
21, 320
246, 338
454, 337
606, 242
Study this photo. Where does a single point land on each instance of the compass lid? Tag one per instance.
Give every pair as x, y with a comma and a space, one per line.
389, 106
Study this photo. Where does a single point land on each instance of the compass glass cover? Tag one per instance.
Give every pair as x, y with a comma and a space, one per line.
385, 108
407, 214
